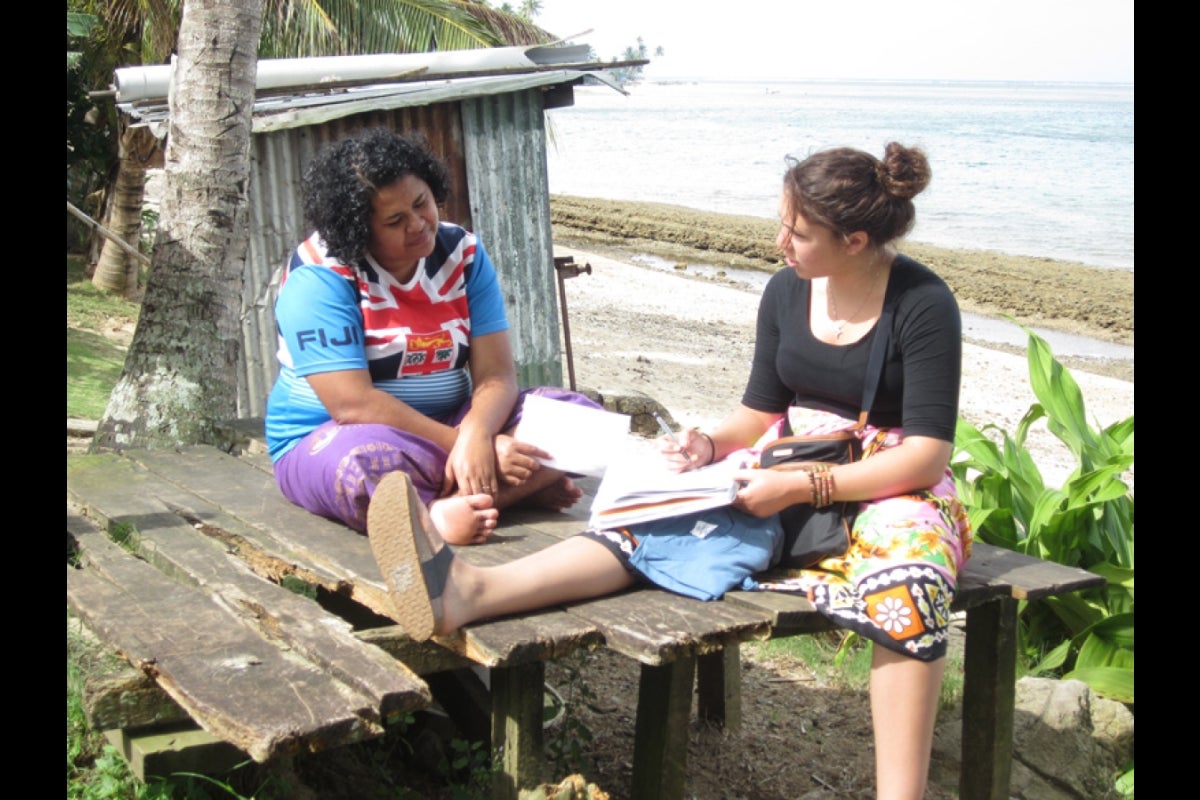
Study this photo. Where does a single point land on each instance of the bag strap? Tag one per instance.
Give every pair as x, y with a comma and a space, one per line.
883, 331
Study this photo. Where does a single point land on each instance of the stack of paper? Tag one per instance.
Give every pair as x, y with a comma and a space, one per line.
639, 487
579, 439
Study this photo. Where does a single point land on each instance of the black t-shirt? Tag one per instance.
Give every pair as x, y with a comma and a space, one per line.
922, 371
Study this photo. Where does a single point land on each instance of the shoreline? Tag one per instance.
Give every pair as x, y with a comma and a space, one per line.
687, 343
1040, 293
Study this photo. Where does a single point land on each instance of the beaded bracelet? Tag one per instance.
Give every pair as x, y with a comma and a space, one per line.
712, 446
820, 481
813, 498
826, 475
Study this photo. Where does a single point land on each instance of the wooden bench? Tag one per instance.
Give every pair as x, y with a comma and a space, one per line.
266, 626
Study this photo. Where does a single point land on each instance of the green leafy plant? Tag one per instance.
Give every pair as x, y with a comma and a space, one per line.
470, 770
1088, 523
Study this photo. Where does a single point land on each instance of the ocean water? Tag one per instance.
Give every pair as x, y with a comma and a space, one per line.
1034, 169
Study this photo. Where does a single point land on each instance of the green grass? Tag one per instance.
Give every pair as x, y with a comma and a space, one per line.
94, 361
842, 660
93, 366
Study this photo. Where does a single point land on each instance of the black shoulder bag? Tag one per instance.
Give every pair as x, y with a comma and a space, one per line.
818, 530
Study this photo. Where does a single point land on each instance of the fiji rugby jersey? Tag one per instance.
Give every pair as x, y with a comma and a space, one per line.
414, 338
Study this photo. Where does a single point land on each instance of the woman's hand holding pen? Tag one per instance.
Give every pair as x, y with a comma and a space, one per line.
679, 449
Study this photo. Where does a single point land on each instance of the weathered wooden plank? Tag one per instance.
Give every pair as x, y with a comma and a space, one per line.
512, 540
522, 639
277, 538
113, 693
423, 658
1030, 578
656, 627
789, 614
164, 752
283, 616
222, 481
116, 490
251, 496
556, 524
238, 686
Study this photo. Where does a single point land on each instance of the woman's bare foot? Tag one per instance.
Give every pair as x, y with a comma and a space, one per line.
557, 496
465, 519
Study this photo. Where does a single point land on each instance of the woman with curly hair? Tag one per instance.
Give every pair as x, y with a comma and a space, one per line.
394, 351
840, 213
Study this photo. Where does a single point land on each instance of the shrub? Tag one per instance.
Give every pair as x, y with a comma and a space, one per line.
1087, 523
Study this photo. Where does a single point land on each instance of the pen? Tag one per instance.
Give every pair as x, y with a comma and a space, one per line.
662, 423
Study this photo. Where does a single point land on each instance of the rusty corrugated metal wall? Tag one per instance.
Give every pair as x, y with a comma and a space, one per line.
495, 149
504, 141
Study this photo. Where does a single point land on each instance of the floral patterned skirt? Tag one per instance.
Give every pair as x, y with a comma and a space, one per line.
895, 584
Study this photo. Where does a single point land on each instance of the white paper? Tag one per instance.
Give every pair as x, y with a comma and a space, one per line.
579, 439
640, 487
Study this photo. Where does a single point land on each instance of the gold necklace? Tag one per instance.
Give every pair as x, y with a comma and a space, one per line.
838, 327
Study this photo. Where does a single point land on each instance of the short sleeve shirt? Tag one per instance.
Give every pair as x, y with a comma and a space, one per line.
919, 387
413, 338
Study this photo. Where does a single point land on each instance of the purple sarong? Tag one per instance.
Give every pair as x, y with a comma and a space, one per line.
334, 470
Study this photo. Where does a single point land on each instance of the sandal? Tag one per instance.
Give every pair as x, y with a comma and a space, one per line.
412, 556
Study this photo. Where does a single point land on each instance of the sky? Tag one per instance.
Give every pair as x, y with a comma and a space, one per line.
1011, 40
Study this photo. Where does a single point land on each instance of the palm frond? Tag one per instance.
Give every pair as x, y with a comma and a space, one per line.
299, 28
512, 30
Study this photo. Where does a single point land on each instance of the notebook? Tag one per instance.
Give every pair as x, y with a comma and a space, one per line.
638, 487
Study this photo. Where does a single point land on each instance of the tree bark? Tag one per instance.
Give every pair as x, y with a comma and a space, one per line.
117, 269
179, 381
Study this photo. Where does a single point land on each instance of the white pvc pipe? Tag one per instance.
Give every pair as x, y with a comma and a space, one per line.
153, 82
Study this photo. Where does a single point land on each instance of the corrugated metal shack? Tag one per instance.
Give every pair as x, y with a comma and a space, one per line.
481, 110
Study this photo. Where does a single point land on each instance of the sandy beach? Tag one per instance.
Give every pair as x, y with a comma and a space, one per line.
685, 339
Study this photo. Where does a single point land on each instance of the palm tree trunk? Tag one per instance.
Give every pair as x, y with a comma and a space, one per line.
117, 269
179, 383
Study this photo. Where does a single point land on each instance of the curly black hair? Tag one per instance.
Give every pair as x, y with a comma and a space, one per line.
343, 177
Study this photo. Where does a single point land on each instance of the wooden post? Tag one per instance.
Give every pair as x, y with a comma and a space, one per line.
661, 733
989, 693
517, 710
719, 687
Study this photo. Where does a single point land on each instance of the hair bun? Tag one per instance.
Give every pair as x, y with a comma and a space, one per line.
904, 171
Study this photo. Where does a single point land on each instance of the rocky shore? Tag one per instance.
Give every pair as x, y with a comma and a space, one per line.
1039, 292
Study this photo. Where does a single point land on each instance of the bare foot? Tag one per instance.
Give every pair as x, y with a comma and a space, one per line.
558, 496
465, 519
